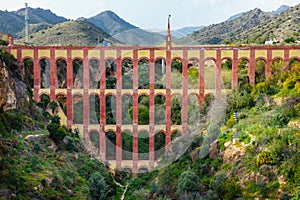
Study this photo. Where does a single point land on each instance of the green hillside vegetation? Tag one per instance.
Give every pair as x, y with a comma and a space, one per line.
74, 33
258, 157
253, 27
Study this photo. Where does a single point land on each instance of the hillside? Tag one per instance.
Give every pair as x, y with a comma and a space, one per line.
76, 33
281, 27
13, 22
124, 31
220, 33
250, 27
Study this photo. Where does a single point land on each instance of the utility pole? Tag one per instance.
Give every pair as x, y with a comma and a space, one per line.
26, 23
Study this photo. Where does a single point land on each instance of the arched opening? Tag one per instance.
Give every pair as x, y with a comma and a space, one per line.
77, 74
193, 73
78, 109
210, 74
159, 145
193, 110
95, 139
160, 110
45, 73
143, 146
94, 109
176, 109
111, 82
44, 101
160, 72
243, 77
144, 74
260, 71
226, 67
143, 115
294, 65
28, 76
127, 109
110, 145
61, 73
62, 102
94, 70
277, 66
110, 109
143, 170
127, 72
175, 134
176, 74
127, 146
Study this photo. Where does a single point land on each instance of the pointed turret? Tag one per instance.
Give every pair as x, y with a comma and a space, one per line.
168, 35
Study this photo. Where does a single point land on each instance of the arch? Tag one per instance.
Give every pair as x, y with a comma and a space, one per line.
294, 64
62, 102
277, 65
110, 145
176, 73
143, 74
176, 109
160, 109
94, 109
61, 73
127, 74
160, 73
77, 74
44, 101
193, 73
110, 109
45, 73
94, 71
159, 144
127, 109
193, 110
111, 81
210, 74
226, 67
143, 170
260, 71
143, 145
243, 76
78, 109
95, 139
127, 148
28, 72
143, 110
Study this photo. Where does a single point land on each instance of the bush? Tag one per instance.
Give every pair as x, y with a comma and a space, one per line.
264, 157
98, 186
188, 182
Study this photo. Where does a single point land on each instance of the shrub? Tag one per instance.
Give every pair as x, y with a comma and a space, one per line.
264, 157
98, 186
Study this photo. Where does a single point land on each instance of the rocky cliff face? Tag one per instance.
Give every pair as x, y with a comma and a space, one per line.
12, 87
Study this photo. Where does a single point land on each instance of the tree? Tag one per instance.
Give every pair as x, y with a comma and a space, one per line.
98, 186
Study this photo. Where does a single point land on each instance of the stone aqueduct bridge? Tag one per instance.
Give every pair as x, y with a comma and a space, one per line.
151, 55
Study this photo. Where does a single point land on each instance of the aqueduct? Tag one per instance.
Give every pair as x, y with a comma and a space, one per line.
104, 86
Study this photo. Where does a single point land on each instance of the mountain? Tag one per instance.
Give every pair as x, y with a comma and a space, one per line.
76, 33
182, 32
13, 22
111, 23
280, 9
282, 27
220, 33
124, 31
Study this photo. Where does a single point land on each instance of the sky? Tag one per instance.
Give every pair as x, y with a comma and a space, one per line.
149, 14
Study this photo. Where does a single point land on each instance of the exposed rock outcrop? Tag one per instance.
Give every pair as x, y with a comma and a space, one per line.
12, 86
